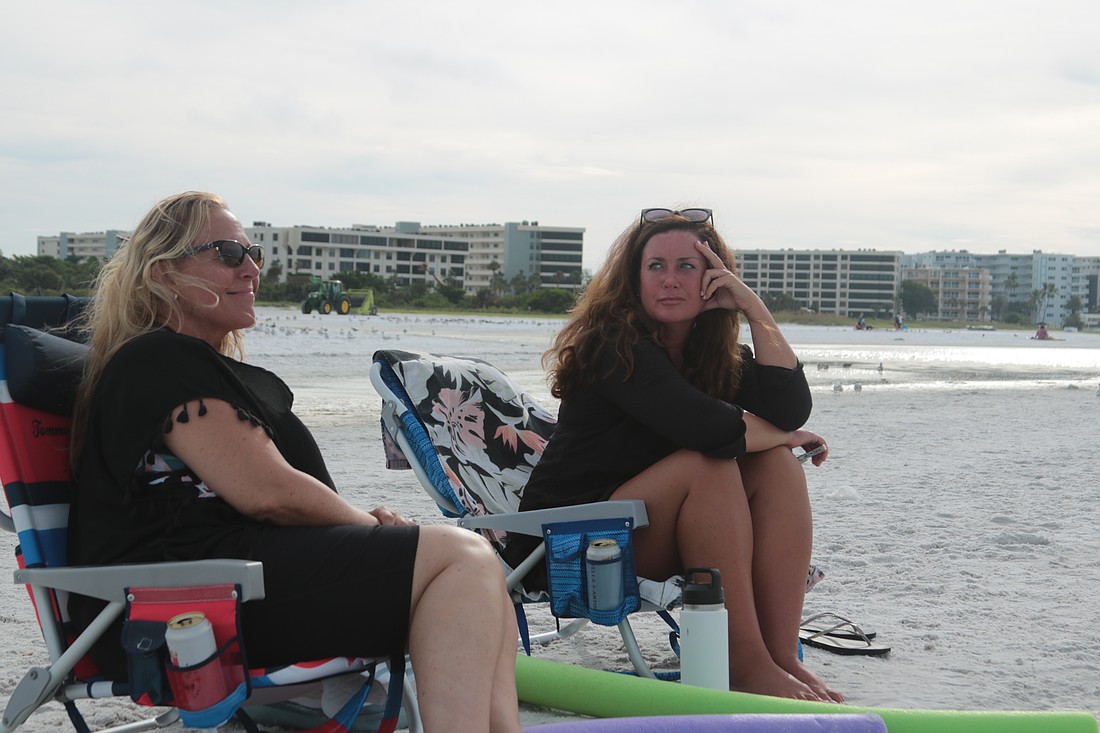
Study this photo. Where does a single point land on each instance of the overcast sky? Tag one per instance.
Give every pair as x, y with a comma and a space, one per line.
938, 124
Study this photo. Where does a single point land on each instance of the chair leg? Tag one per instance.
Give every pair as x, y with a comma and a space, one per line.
40, 684
632, 650
412, 708
564, 632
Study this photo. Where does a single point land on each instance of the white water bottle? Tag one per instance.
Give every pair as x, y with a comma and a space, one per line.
704, 632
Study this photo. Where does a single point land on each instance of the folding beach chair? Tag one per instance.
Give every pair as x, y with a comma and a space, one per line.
472, 437
38, 376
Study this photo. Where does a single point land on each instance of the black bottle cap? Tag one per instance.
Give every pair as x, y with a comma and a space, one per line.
703, 594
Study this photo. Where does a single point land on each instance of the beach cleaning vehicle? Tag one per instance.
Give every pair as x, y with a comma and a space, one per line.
326, 296
363, 301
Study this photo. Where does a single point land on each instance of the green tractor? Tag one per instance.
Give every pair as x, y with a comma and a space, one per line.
326, 296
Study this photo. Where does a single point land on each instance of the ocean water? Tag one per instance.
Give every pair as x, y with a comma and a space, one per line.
958, 513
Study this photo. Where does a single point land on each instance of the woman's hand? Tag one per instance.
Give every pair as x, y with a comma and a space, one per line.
807, 441
723, 289
389, 517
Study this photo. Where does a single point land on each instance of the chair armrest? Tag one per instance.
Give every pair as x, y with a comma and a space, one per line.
109, 582
531, 522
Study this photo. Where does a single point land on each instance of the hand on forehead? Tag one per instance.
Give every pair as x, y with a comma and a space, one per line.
709, 254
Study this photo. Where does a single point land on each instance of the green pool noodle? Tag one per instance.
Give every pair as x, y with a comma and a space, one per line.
610, 695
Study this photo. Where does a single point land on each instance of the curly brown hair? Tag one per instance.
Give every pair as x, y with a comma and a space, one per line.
610, 313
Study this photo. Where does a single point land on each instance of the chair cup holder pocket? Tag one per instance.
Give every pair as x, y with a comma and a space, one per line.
568, 570
213, 680
202, 686
146, 661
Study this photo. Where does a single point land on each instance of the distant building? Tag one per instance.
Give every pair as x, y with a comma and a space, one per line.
469, 254
99, 245
1085, 283
839, 282
962, 293
1017, 276
551, 254
399, 253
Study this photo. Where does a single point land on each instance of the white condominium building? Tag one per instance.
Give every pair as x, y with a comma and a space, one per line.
469, 254
839, 282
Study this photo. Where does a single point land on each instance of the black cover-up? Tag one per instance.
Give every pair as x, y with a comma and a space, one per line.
614, 429
340, 591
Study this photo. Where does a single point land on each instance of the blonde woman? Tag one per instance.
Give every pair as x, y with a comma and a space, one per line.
184, 452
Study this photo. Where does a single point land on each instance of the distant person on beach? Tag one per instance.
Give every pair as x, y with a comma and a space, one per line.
1042, 334
661, 402
183, 452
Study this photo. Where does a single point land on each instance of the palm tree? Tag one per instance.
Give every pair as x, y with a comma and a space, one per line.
1039, 298
1049, 291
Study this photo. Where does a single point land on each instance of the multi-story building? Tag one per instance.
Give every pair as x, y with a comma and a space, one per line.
1018, 276
840, 282
550, 254
1085, 283
471, 255
962, 293
82, 246
401, 253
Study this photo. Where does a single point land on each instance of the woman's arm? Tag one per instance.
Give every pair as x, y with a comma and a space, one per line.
760, 435
723, 289
241, 464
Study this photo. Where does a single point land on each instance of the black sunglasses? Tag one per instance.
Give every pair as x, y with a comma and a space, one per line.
232, 252
694, 215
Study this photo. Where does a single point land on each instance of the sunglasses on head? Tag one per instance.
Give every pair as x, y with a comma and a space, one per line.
232, 252
694, 215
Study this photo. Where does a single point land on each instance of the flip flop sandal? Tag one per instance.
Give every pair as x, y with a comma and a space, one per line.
831, 624
838, 645
814, 576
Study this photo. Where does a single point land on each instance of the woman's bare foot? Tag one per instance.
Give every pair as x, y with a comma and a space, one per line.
774, 681
801, 672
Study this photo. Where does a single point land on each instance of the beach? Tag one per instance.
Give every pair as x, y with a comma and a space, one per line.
957, 513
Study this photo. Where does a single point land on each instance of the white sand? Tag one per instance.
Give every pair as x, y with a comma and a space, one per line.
957, 514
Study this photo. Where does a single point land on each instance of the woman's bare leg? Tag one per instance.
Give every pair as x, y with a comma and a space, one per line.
782, 527
462, 637
699, 516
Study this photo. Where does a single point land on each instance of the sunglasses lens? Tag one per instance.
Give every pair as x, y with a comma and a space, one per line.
695, 214
652, 215
230, 252
256, 252
692, 215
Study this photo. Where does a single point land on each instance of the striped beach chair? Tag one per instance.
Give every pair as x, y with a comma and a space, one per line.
38, 375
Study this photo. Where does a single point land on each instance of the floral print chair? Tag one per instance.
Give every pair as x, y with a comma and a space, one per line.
472, 437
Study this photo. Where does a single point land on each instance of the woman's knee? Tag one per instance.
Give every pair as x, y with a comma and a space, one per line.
706, 472
443, 547
776, 469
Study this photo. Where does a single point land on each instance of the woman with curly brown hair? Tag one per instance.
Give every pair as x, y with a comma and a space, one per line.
660, 402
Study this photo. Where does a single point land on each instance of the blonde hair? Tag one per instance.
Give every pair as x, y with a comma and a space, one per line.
610, 314
132, 294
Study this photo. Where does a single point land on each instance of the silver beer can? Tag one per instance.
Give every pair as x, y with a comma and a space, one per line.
604, 568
